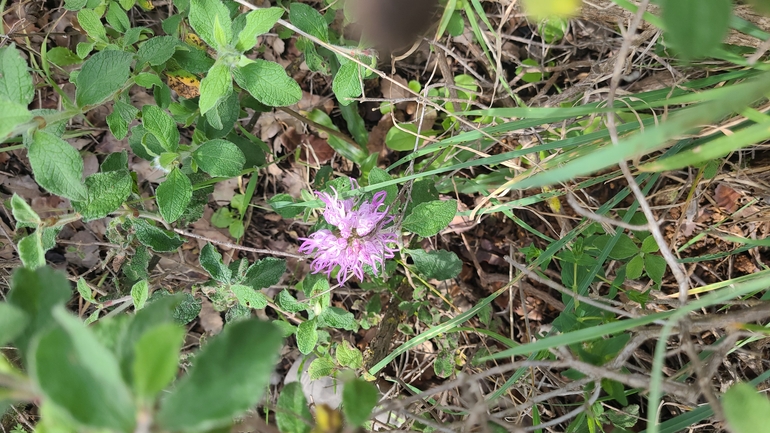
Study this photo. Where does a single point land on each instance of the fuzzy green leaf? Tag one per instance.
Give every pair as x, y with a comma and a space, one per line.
293, 415
156, 359
349, 356
347, 83
12, 115
745, 409
57, 166
158, 239
440, 265
13, 320
204, 14
211, 261
427, 219
258, 22
15, 80
106, 192
160, 124
249, 297
37, 292
219, 158
91, 22
215, 87
228, 378
31, 252
22, 212
309, 20
140, 291
307, 336
156, 51
81, 376
101, 76
359, 397
268, 83
173, 195
695, 28
264, 273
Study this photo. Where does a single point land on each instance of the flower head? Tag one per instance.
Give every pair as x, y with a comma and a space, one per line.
361, 237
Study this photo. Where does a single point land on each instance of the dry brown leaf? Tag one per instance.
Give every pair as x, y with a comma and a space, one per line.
727, 198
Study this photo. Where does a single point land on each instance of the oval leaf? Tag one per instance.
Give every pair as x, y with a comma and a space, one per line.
228, 377
268, 83
219, 158
174, 195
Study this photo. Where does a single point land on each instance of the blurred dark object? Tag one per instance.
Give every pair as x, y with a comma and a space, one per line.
390, 25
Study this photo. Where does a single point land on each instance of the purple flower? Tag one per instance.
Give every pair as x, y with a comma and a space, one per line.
361, 238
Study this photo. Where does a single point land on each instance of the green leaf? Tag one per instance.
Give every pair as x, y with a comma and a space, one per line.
429, 218
117, 125
745, 409
219, 158
156, 359
204, 14
307, 336
444, 364
655, 266
624, 248
85, 291
91, 22
12, 116
101, 76
288, 302
106, 192
287, 329
649, 245
268, 83
228, 378
282, 205
74, 5
139, 294
321, 367
249, 297
31, 252
293, 415
13, 320
359, 397
635, 267
37, 292
211, 261
62, 56
160, 124
158, 239
215, 87
79, 375
264, 273
378, 175
57, 166
440, 265
117, 18
337, 318
349, 356
173, 195
22, 212
309, 20
148, 80
695, 28
156, 51
258, 22
15, 80
399, 139
347, 83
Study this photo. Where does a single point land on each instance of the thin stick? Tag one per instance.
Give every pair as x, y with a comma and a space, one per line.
237, 247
